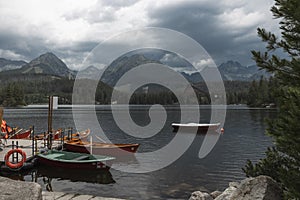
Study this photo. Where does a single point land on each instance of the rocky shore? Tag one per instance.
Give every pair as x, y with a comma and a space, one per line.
12, 190
259, 188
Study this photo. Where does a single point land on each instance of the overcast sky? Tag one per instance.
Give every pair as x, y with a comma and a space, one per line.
72, 28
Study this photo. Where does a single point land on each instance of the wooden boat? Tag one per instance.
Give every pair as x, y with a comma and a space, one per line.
201, 128
73, 160
101, 148
18, 134
58, 135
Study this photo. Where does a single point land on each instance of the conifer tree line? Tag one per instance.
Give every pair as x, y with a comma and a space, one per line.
255, 94
282, 161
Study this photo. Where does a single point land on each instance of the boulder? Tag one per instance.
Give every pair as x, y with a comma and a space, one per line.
198, 195
11, 190
261, 188
215, 194
226, 195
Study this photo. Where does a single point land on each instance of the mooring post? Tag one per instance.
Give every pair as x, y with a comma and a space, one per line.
62, 134
45, 141
13, 147
69, 137
32, 139
50, 113
36, 147
71, 130
17, 146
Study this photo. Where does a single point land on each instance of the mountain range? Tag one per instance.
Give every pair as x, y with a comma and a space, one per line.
6, 64
49, 64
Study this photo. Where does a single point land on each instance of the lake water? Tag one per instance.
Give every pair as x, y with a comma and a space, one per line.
243, 139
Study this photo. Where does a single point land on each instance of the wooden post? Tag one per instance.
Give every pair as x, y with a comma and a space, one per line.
13, 147
50, 112
91, 145
32, 139
36, 146
71, 132
45, 140
62, 139
17, 156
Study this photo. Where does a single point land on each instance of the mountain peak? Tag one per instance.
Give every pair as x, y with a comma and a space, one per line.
47, 63
233, 70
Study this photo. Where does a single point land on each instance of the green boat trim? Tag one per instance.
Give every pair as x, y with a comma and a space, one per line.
71, 157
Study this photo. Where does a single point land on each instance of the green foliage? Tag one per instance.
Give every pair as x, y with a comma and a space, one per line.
263, 93
283, 161
237, 91
12, 95
36, 91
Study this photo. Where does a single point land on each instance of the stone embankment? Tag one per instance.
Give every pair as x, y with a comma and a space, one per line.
259, 188
13, 190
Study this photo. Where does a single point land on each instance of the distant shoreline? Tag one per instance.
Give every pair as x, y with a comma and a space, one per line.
106, 106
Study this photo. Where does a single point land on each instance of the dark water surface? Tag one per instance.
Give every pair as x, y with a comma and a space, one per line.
243, 139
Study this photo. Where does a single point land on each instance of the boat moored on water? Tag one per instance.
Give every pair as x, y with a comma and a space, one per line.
98, 148
73, 160
20, 134
59, 135
199, 127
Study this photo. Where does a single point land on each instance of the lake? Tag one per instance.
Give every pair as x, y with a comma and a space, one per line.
243, 139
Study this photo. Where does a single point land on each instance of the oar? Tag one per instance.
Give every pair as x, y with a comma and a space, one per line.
18, 131
100, 139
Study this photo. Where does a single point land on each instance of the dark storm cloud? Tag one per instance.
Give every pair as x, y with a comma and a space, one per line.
203, 23
28, 47
226, 29
31, 47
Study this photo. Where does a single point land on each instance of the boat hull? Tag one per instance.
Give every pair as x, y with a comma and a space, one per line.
58, 135
199, 128
116, 150
95, 165
71, 160
22, 135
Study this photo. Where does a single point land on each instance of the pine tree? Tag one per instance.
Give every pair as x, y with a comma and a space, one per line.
283, 161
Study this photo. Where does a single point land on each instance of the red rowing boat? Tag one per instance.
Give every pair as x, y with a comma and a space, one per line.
18, 134
101, 148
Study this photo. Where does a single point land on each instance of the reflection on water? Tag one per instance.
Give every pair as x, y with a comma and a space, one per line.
73, 175
243, 139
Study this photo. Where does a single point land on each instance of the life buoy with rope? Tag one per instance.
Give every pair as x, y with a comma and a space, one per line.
18, 164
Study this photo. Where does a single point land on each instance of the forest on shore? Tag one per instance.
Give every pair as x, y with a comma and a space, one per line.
259, 93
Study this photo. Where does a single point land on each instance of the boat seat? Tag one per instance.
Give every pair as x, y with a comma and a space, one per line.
81, 157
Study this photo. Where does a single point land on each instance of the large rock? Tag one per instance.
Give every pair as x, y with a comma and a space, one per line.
198, 195
227, 194
11, 190
261, 188
258, 188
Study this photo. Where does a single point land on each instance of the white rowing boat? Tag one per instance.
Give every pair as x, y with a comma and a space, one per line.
201, 127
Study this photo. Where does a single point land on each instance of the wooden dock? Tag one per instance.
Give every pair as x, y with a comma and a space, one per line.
25, 145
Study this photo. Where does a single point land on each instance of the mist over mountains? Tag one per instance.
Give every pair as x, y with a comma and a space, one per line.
49, 64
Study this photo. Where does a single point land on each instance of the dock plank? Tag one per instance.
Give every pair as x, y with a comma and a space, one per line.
25, 145
52, 195
66, 197
83, 197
